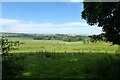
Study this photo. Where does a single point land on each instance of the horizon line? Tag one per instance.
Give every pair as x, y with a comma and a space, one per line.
46, 33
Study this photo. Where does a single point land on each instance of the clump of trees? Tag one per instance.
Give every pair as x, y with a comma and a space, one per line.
62, 37
97, 38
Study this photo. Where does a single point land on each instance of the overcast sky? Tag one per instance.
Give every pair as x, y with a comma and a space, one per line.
45, 18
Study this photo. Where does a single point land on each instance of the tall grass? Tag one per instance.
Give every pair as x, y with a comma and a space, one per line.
65, 65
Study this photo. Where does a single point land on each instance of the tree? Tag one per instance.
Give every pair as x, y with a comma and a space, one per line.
95, 38
7, 45
105, 15
12, 66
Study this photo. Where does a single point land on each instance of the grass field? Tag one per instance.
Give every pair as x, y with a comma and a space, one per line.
63, 65
58, 59
61, 46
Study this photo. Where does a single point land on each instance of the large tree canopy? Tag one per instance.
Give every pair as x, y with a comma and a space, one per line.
105, 15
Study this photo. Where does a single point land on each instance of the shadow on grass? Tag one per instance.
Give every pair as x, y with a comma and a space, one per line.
61, 65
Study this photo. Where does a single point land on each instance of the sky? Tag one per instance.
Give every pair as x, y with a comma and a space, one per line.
45, 18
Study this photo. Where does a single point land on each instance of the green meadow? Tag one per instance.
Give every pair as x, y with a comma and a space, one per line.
60, 59
31, 45
63, 65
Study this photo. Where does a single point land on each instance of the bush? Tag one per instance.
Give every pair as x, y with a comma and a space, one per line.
12, 66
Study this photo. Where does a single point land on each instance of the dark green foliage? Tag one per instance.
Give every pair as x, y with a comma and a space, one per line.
105, 15
95, 38
61, 65
47, 55
12, 66
108, 67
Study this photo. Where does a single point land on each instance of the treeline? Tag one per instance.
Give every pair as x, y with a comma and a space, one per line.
68, 38
62, 37
10, 35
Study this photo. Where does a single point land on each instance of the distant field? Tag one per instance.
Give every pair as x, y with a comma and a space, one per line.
61, 46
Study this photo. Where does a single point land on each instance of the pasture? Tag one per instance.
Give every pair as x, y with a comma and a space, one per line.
61, 46
59, 59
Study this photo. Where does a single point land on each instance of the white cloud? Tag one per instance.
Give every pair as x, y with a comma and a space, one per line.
8, 21
12, 25
74, 24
